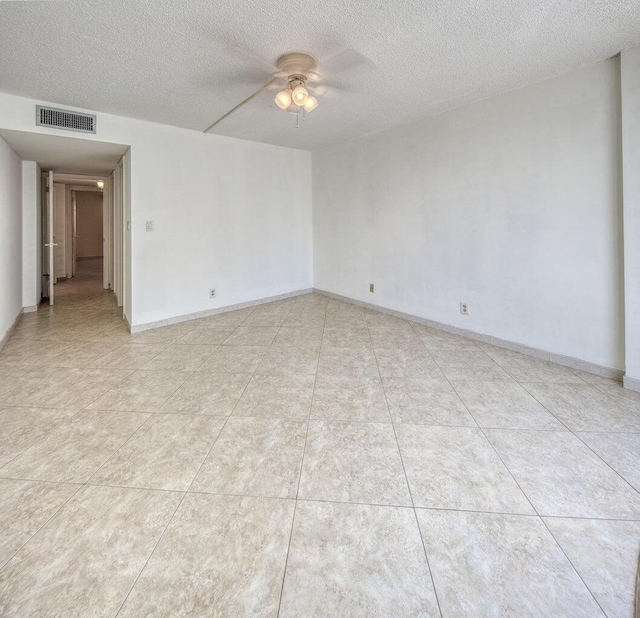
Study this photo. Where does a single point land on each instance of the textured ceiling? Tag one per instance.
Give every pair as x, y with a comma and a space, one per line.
65, 154
188, 62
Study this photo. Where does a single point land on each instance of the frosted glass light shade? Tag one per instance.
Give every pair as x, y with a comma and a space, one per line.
300, 96
310, 104
283, 99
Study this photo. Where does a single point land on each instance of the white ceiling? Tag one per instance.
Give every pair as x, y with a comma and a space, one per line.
188, 62
65, 154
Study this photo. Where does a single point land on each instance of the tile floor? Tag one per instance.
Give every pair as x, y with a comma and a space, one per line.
305, 457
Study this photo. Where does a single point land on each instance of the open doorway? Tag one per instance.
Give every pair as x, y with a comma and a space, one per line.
80, 245
79, 215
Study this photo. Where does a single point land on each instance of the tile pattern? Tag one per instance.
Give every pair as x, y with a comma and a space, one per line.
305, 457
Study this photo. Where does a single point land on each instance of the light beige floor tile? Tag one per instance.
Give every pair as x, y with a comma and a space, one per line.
112, 334
428, 401
165, 453
69, 388
504, 405
255, 456
129, 356
299, 336
252, 336
353, 462
264, 318
468, 365
84, 561
563, 477
234, 359
165, 334
346, 320
29, 352
176, 357
77, 388
350, 399
289, 361
356, 560
584, 408
25, 506
488, 564
623, 397
456, 468
375, 319
620, 451
605, 554
220, 556
228, 318
402, 363
434, 339
525, 368
276, 396
391, 338
347, 337
79, 354
207, 393
76, 449
213, 335
142, 391
307, 319
21, 428
347, 362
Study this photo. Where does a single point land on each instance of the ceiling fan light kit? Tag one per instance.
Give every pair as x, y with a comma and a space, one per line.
296, 98
298, 69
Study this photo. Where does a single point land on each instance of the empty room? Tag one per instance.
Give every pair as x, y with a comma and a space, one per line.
320, 309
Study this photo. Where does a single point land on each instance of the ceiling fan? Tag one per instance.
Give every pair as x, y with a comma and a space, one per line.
295, 71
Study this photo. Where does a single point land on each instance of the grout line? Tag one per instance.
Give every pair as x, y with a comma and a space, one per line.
53, 515
185, 492
406, 478
304, 448
544, 523
87, 483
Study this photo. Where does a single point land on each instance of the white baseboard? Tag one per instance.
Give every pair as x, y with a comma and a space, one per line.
560, 359
138, 328
10, 330
30, 309
632, 384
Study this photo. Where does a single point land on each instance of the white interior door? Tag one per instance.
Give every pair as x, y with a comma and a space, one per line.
51, 246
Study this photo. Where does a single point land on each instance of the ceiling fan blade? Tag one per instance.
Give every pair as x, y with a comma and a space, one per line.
248, 57
343, 61
322, 90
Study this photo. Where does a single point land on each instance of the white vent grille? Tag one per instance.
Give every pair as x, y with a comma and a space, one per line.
62, 119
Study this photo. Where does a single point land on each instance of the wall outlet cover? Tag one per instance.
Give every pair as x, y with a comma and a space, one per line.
464, 308
212, 293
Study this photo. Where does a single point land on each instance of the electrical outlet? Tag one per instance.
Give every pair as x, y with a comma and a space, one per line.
149, 226
464, 308
212, 293
371, 287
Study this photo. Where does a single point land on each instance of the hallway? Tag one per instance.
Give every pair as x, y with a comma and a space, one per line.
293, 458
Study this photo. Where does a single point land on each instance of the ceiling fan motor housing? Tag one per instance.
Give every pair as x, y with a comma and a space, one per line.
296, 65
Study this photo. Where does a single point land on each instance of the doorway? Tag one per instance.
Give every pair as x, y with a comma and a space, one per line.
81, 215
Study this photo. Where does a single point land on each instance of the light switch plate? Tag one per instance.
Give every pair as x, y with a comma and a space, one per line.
149, 226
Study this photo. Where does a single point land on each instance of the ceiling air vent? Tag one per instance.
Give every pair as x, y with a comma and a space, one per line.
63, 119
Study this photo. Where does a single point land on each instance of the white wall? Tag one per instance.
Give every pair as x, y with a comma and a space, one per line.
11, 245
31, 235
630, 70
511, 204
229, 214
